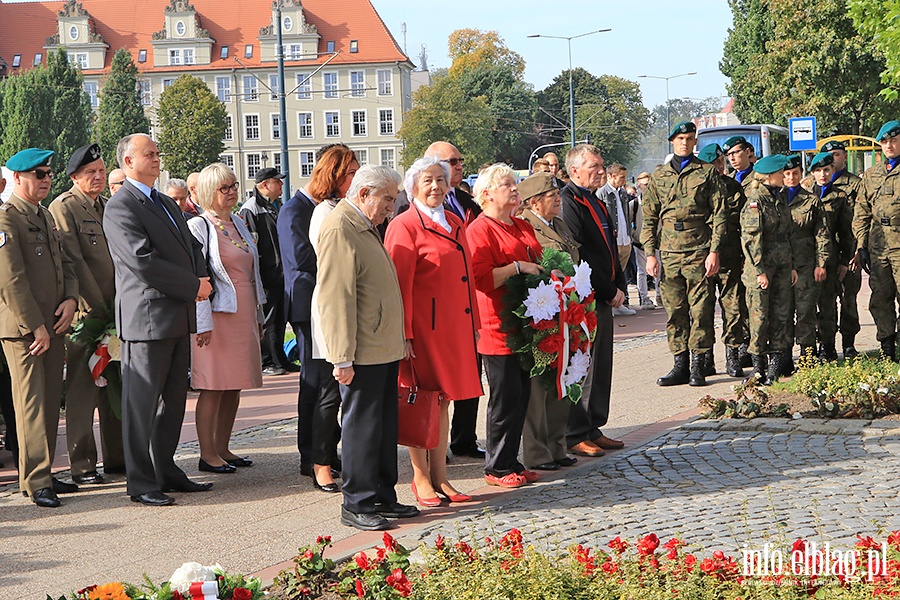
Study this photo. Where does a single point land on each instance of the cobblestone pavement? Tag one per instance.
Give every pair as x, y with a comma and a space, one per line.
716, 484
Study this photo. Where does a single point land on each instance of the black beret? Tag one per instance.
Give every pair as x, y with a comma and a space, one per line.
82, 156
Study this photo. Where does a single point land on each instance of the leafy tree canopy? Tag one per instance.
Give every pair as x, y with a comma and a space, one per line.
120, 112
877, 20
469, 48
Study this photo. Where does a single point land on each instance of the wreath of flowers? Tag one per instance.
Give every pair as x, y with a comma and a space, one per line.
97, 333
550, 320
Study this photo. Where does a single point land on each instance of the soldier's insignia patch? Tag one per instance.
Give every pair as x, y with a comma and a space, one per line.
2, 238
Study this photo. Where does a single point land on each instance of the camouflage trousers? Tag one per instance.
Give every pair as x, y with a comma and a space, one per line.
884, 280
806, 303
689, 297
733, 302
771, 311
826, 320
848, 290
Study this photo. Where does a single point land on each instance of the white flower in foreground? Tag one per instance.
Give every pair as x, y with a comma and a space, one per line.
829, 406
189, 573
542, 302
796, 416
864, 387
578, 368
882, 390
582, 280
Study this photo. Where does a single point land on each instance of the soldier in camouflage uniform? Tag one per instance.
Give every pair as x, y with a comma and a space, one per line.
812, 251
766, 227
684, 218
732, 295
876, 225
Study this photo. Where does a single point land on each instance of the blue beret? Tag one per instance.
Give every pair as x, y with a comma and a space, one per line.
710, 152
822, 159
889, 129
26, 160
832, 145
793, 161
771, 164
683, 127
734, 141
82, 156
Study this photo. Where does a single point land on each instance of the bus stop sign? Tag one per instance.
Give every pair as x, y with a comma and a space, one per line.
802, 133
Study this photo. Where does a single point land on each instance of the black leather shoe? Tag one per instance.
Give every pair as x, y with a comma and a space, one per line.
396, 510
205, 466
240, 461
120, 470
188, 486
154, 499
567, 461
548, 466
331, 488
364, 521
63, 487
274, 371
90, 477
46, 498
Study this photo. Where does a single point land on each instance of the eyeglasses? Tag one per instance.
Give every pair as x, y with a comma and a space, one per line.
454, 161
735, 152
41, 173
229, 188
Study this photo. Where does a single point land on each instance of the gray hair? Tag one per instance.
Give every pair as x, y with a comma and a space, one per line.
411, 182
374, 177
178, 184
211, 179
125, 147
575, 156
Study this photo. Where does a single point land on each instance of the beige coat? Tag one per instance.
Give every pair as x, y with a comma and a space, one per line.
357, 292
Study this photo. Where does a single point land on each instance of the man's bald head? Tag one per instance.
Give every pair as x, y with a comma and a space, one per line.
191, 181
115, 180
448, 153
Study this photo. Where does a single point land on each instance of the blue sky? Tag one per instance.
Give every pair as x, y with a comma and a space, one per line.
660, 38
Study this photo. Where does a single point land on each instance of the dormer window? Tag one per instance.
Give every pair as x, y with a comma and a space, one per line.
73, 33
180, 29
17, 60
354, 46
288, 23
248, 51
329, 47
37, 58
142, 56
224, 53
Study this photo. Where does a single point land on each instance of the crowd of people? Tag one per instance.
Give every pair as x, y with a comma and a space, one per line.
387, 289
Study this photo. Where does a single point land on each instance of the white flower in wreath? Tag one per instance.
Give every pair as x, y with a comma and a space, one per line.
114, 346
188, 573
542, 302
578, 368
582, 280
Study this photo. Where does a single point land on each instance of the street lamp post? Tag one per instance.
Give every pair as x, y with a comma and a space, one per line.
668, 124
571, 84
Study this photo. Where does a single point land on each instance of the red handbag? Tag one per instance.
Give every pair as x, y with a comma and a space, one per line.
418, 411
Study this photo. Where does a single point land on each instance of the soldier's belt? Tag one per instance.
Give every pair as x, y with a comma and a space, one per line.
890, 222
683, 225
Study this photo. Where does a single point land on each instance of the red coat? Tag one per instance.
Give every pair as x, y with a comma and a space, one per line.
440, 311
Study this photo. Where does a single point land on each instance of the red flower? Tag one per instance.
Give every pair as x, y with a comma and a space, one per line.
397, 580
388, 541
309, 555
305, 592
591, 319
575, 314
690, 561
240, 593
362, 561
894, 539
609, 567
648, 545
360, 590
551, 344
176, 595
543, 325
618, 545
439, 542
867, 543
800, 546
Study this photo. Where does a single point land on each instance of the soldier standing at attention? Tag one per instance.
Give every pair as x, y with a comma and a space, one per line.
876, 225
37, 305
78, 213
731, 264
812, 250
766, 227
684, 217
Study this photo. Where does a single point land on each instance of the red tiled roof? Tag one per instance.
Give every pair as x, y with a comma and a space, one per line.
234, 23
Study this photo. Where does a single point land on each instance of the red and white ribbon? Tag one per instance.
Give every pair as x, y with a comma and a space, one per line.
205, 590
563, 288
99, 360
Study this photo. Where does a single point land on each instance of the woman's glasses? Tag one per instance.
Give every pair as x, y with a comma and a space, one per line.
229, 188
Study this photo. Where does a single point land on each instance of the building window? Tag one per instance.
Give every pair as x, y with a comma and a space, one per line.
359, 123
227, 160
307, 162
143, 86
37, 58
274, 87
251, 89
181, 56
362, 156
276, 126
248, 51
251, 127
296, 52
331, 84
332, 123
385, 121
79, 59
229, 129
305, 124
91, 88
73, 33
288, 23
224, 54
223, 89
17, 60
354, 46
385, 83
180, 29
304, 86
254, 161
142, 56
276, 160
387, 157
329, 47
357, 83
167, 83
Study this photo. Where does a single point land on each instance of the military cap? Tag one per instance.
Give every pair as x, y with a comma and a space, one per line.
26, 160
683, 127
710, 152
832, 145
268, 173
771, 164
734, 141
889, 129
793, 161
82, 156
538, 183
822, 159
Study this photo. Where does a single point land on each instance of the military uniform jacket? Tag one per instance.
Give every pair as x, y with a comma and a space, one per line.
80, 225
810, 237
876, 217
555, 235
684, 212
36, 272
846, 181
731, 255
766, 227
839, 217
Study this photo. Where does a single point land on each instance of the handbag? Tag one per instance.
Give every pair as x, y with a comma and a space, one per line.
209, 271
418, 411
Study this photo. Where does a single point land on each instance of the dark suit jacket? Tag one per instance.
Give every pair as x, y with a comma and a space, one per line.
157, 266
297, 256
579, 209
260, 215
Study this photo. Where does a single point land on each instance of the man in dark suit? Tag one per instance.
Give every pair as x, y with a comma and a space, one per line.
593, 228
160, 275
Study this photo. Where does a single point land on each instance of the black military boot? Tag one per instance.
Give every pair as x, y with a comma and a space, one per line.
827, 352
772, 371
746, 357
759, 368
889, 347
786, 367
709, 363
680, 373
733, 361
849, 346
698, 364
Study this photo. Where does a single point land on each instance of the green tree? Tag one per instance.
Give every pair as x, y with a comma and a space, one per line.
468, 48
26, 112
72, 115
191, 123
877, 20
746, 42
120, 112
443, 110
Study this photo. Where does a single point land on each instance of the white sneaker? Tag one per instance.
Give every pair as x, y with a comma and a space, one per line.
623, 311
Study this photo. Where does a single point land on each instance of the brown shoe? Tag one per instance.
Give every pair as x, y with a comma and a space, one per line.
587, 448
608, 443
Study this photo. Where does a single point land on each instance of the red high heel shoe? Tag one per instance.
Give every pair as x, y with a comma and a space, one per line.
454, 497
425, 502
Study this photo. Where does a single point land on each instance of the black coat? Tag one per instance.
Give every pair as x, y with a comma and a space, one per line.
297, 256
260, 215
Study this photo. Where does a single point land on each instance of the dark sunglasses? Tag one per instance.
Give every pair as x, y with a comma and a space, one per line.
454, 161
117, 182
41, 173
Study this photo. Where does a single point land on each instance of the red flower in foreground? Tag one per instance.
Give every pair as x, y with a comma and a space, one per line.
867, 543
543, 325
397, 580
388, 541
439, 542
591, 319
648, 545
240, 593
309, 555
575, 314
551, 344
618, 545
360, 590
362, 561
894, 540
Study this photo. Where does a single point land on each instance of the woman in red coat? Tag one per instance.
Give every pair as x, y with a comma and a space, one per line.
429, 248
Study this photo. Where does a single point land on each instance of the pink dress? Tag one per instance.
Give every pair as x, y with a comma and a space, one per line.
231, 360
